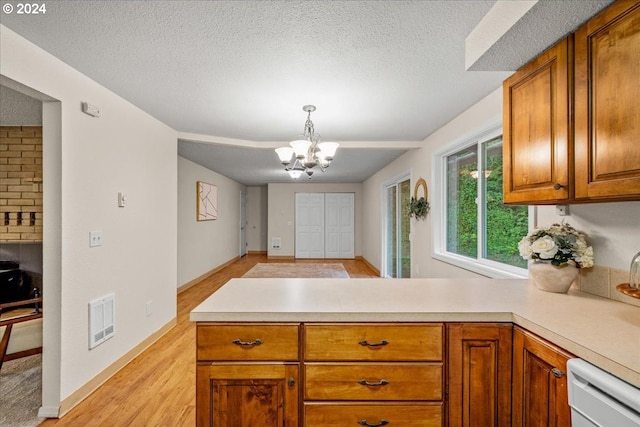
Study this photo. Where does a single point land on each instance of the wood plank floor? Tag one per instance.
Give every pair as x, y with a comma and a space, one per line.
158, 387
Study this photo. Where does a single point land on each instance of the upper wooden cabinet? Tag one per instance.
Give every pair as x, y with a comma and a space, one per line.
607, 104
536, 145
571, 129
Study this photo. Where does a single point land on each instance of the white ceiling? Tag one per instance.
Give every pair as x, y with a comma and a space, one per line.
232, 76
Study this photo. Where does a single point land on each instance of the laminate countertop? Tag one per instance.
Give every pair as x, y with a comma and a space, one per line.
601, 331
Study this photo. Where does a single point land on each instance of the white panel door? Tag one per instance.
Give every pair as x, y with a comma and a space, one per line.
339, 225
309, 225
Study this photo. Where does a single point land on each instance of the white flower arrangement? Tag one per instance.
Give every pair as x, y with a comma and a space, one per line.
559, 244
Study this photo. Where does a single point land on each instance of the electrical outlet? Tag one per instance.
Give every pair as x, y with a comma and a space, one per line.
562, 210
149, 308
95, 238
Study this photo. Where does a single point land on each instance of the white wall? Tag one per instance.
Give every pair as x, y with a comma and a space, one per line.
257, 219
205, 245
87, 161
17, 109
281, 213
614, 227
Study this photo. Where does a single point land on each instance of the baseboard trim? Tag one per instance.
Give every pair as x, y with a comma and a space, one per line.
280, 257
257, 252
371, 266
49, 412
199, 279
90, 386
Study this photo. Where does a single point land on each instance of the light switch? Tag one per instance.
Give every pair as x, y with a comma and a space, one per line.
122, 200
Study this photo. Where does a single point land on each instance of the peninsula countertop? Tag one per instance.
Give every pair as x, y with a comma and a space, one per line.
601, 331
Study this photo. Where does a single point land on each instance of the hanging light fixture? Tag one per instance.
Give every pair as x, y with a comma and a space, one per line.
307, 152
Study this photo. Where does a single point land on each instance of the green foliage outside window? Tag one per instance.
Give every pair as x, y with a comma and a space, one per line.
503, 227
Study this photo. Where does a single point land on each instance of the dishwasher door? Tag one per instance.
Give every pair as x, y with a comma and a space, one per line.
598, 398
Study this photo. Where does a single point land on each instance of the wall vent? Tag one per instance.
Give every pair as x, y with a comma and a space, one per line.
102, 320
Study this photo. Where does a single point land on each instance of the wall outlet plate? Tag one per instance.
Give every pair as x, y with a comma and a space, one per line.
95, 238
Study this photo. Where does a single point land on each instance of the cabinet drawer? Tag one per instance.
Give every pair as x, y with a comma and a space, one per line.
375, 342
350, 381
247, 342
397, 415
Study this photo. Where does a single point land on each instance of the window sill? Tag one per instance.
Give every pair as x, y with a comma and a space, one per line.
490, 269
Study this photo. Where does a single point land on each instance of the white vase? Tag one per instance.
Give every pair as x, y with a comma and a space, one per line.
550, 278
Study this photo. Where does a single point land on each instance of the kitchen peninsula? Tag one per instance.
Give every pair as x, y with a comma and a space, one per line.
297, 330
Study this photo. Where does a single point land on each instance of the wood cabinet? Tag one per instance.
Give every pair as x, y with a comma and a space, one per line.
536, 139
479, 374
247, 375
539, 382
570, 117
373, 374
607, 104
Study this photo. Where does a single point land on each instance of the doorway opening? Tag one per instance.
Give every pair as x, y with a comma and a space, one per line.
397, 245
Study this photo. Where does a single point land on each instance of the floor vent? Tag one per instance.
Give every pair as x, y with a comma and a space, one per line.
102, 320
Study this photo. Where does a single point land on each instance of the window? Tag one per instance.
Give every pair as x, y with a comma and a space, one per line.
476, 230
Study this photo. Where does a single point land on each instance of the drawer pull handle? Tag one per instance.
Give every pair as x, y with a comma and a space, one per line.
366, 343
558, 186
375, 384
253, 343
557, 372
366, 423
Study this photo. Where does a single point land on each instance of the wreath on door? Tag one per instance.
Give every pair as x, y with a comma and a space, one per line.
419, 207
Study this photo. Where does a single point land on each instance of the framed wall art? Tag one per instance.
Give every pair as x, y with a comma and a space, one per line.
207, 201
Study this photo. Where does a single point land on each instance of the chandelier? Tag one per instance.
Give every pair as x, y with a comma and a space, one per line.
307, 152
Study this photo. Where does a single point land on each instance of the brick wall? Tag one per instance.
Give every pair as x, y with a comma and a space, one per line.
20, 183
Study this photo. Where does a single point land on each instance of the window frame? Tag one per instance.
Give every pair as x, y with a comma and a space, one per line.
439, 251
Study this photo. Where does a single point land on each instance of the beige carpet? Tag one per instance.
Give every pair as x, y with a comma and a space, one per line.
21, 392
297, 270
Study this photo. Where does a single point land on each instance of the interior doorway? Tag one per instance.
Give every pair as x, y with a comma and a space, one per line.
243, 224
397, 245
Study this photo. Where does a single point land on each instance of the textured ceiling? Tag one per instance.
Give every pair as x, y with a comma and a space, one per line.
382, 73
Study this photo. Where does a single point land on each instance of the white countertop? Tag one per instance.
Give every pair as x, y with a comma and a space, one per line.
601, 331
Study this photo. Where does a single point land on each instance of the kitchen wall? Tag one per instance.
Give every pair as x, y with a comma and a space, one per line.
205, 245
614, 228
419, 163
87, 161
281, 213
257, 219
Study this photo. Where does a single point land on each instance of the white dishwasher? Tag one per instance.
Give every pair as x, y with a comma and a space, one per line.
598, 398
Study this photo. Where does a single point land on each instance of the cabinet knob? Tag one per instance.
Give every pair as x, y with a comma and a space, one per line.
378, 424
557, 372
558, 186
291, 381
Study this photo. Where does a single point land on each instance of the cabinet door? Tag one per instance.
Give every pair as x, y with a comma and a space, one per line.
539, 382
607, 108
479, 376
536, 148
247, 395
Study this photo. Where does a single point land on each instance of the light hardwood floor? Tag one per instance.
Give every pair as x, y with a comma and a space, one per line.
158, 387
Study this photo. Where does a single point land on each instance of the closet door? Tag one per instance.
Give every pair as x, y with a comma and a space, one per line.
339, 225
309, 225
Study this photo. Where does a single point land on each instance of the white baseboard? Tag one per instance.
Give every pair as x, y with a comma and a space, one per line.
49, 411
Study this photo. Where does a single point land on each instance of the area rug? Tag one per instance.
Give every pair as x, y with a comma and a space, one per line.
297, 270
21, 392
